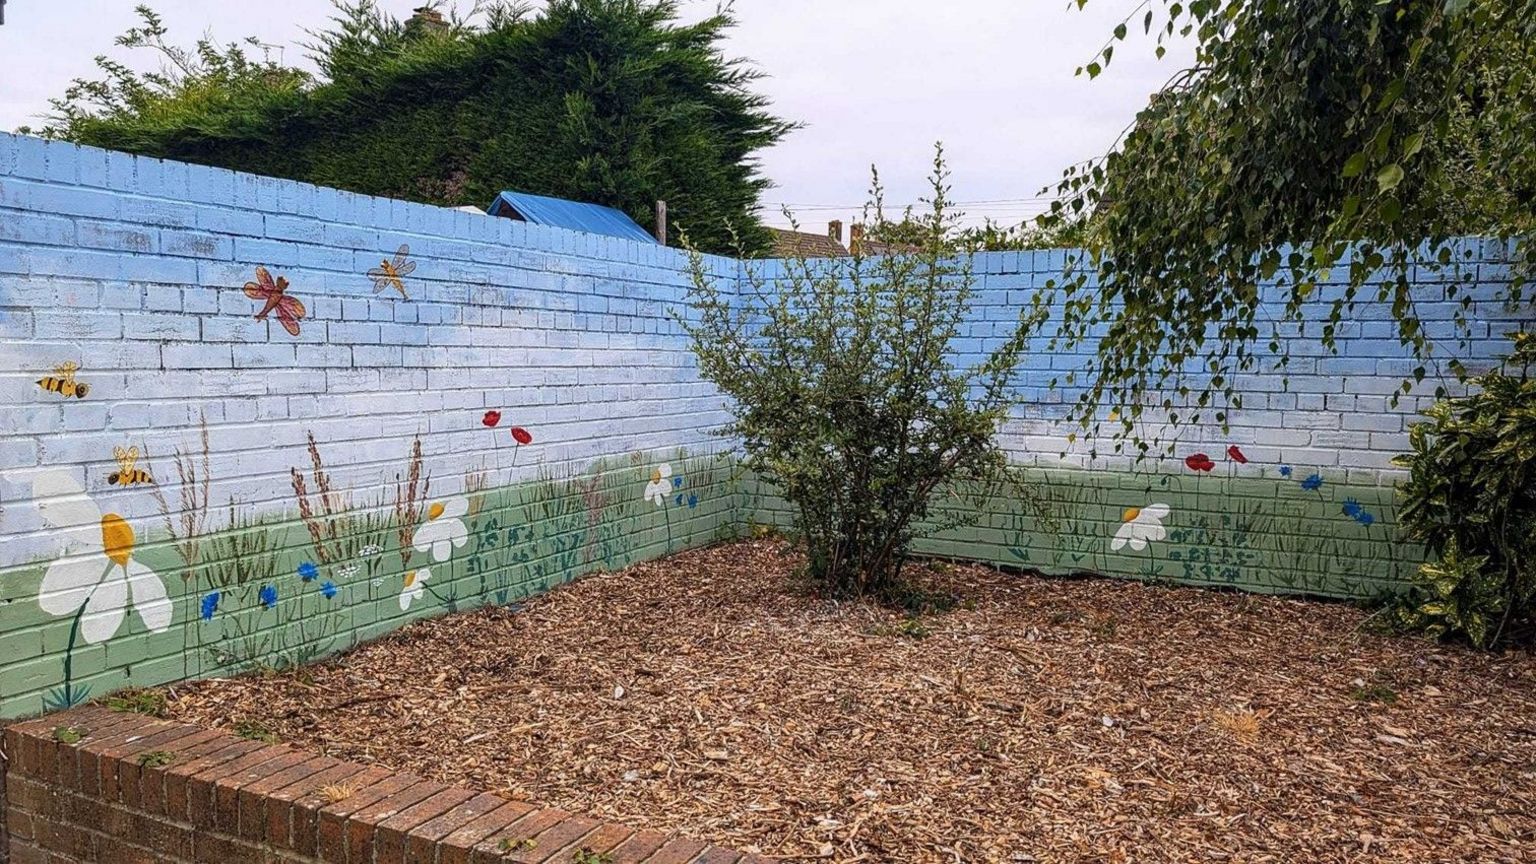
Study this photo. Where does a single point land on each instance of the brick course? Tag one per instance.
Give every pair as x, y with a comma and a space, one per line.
223, 800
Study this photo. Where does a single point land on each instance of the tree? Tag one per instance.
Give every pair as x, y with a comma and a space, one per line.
848, 398
611, 101
1311, 139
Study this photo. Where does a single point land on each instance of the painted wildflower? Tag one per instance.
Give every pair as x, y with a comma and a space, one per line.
210, 605
693, 501
267, 596
1285, 470
1353, 510
95, 577
677, 482
521, 436
1312, 483
328, 590
308, 571
444, 529
415, 587
656, 490
1140, 525
370, 550
345, 571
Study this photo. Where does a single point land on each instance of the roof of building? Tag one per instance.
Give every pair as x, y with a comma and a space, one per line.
575, 215
805, 244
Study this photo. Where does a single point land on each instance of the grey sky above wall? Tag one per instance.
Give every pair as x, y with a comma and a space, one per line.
874, 82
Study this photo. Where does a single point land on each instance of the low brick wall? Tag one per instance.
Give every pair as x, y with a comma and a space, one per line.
136, 789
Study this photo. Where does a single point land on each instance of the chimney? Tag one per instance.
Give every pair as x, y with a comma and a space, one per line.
429, 19
835, 231
855, 237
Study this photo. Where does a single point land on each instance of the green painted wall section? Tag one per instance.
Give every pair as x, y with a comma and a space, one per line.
1301, 532
264, 593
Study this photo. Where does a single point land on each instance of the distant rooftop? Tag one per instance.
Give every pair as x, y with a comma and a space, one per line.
575, 215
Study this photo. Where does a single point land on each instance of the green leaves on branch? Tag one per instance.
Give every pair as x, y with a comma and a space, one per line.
1317, 155
1470, 498
610, 101
848, 394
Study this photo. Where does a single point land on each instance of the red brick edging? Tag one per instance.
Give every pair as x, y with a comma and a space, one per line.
137, 789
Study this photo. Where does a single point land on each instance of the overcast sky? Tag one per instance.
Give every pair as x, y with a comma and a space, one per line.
874, 81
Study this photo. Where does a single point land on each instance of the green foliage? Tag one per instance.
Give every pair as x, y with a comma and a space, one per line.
847, 399
1470, 498
255, 730
68, 735
156, 759
1322, 145
148, 702
611, 101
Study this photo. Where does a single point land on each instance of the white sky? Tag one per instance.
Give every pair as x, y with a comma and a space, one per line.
874, 81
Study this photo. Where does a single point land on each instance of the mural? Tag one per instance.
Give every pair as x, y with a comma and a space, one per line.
131, 605
275, 298
63, 382
127, 474
1276, 533
390, 274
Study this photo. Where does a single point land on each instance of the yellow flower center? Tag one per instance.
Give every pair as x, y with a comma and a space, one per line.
655, 475
435, 510
117, 538
410, 579
1130, 513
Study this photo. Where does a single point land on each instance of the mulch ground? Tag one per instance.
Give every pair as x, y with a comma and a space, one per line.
1042, 720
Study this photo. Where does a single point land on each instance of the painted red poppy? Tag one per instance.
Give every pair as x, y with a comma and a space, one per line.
1236, 455
521, 436
1199, 462
491, 418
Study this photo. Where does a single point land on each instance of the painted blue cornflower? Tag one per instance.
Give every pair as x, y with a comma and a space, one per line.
1353, 510
328, 589
308, 571
678, 500
268, 596
210, 605
693, 501
1285, 470
1312, 483
677, 482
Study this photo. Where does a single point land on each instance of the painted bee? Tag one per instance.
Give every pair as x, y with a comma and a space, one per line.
63, 382
127, 475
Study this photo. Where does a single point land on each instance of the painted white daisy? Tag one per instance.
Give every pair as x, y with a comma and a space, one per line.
96, 576
415, 587
444, 529
660, 485
1140, 525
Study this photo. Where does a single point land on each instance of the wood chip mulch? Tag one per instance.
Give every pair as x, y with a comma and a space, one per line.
1042, 720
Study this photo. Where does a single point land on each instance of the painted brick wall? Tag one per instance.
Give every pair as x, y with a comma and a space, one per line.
243, 552
1295, 497
90, 786
136, 270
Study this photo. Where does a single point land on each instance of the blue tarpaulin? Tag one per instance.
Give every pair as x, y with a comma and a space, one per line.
559, 213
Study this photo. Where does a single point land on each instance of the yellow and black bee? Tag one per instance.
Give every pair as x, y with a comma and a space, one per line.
127, 475
63, 382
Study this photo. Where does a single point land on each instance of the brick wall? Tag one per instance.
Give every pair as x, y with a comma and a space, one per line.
135, 789
1294, 496
136, 270
235, 551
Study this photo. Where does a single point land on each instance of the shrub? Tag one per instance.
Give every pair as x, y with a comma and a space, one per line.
847, 397
1470, 498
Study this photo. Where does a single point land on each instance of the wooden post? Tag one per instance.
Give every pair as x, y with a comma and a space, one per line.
661, 222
